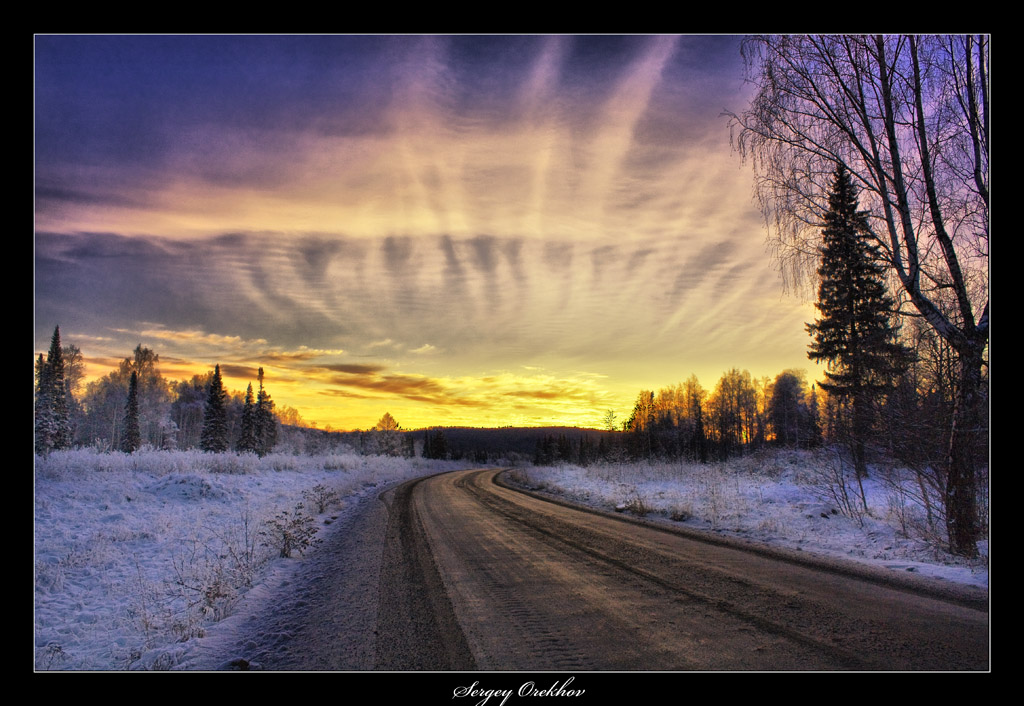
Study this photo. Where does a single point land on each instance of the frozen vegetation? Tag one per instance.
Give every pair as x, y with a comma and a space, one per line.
139, 556
136, 552
802, 500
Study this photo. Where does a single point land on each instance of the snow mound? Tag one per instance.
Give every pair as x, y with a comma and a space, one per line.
187, 486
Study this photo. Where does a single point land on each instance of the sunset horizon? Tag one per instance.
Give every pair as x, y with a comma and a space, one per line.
458, 230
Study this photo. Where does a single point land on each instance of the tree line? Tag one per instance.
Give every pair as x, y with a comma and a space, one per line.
887, 392
741, 414
135, 406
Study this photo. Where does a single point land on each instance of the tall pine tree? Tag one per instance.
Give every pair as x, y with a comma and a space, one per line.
43, 410
52, 415
247, 442
215, 417
131, 438
853, 334
266, 423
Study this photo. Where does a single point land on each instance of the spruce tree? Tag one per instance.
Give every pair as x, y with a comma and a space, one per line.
131, 438
61, 414
215, 420
853, 334
43, 410
266, 424
247, 442
52, 415
814, 417
435, 445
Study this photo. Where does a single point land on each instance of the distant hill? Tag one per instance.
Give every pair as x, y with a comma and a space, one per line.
504, 440
463, 442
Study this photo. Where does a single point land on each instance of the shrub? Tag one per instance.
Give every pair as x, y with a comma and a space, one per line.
321, 497
637, 505
290, 530
680, 513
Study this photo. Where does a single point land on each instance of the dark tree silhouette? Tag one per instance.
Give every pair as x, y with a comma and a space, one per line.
266, 422
435, 445
215, 422
853, 334
247, 441
52, 416
786, 410
131, 437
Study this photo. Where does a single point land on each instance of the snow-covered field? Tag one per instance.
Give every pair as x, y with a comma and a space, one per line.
137, 552
790, 499
134, 553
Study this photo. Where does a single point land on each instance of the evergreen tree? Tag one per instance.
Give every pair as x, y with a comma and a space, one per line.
813, 416
435, 445
585, 451
266, 423
428, 445
52, 416
564, 449
43, 410
786, 410
131, 439
247, 441
74, 371
61, 415
215, 422
546, 451
853, 333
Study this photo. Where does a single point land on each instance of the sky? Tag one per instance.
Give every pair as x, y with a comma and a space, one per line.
458, 230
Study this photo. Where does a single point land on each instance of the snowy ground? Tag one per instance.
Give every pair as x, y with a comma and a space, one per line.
137, 553
791, 499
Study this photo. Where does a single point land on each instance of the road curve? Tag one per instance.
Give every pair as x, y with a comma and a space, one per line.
477, 576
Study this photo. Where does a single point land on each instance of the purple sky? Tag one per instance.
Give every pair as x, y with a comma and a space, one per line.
458, 230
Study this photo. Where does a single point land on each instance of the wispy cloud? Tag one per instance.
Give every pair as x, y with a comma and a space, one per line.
199, 337
398, 217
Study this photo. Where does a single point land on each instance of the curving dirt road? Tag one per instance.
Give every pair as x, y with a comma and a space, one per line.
477, 576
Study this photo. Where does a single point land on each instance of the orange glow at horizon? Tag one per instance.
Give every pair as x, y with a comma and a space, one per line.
476, 231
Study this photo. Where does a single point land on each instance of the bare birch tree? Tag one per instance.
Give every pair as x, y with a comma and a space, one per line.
908, 116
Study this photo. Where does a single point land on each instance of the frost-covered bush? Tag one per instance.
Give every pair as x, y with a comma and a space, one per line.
335, 462
321, 497
291, 530
233, 463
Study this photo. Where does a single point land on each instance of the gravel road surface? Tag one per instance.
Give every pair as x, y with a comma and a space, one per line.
458, 572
